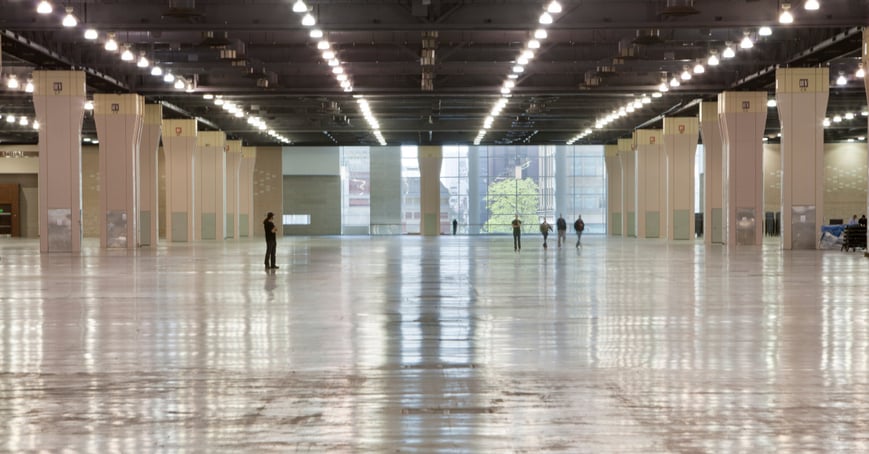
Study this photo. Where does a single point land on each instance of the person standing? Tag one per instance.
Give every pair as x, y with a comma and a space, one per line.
517, 234
561, 224
545, 228
455, 226
271, 241
579, 226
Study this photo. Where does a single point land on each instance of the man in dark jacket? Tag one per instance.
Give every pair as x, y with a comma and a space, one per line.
579, 226
271, 241
561, 225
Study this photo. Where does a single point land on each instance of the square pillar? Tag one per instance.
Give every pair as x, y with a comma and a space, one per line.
801, 95
58, 98
680, 145
430, 158
148, 181
628, 162
651, 184
713, 173
233, 163
119, 120
179, 145
209, 193
614, 189
245, 192
742, 118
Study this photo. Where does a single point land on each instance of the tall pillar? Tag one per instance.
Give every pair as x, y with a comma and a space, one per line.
651, 206
148, 180
58, 98
562, 196
179, 145
209, 193
233, 163
713, 194
742, 117
865, 60
614, 189
680, 145
475, 201
801, 95
430, 158
628, 161
245, 192
119, 120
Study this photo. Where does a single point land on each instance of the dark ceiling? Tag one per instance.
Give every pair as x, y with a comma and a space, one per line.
432, 70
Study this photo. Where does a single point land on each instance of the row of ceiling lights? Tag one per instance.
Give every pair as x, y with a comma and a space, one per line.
525, 56
688, 73
179, 82
331, 58
18, 120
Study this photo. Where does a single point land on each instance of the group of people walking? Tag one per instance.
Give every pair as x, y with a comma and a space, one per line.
545, 228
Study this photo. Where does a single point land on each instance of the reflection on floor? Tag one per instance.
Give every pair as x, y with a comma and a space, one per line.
451, 344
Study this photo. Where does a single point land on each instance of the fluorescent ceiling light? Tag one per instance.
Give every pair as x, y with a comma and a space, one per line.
91, 34
69, 20
44, 7
812, 5
300, 7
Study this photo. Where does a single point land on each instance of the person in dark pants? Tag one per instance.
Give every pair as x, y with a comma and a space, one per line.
271, 241
579, 226
517, 234
561, 224
545, 228
455, 226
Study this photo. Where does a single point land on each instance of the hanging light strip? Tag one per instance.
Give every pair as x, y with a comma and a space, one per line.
525, 56
330, 56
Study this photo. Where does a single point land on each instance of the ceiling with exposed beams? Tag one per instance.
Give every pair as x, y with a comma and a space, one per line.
432, 70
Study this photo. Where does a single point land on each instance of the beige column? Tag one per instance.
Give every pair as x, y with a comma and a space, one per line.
742, 117
119, 120
801, 96
628, 161
58, 98
179, 145
245, 192
148, 180
430, 158
713, 173
865, 60
680, 145
233, 163
614, 189
651, 206
209, 193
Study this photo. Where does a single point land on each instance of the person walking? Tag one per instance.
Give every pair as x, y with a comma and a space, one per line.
271, 241
561, 224
579, 226
545, 228
455, 226
517, 234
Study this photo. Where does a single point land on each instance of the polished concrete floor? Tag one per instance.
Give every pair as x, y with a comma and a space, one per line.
451, 344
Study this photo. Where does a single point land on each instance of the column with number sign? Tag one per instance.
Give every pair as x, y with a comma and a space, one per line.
119, 120
801, 96
614, 189
233, 162
245, 192
58, 98
179, 144
742, 118
148, 182
210, 185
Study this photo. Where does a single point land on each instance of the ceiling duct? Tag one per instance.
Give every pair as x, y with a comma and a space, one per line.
427, 59
679, 8
648, 36
182, 9
606, 70
267, 79
214, 39
592, 79
235, 50
627, 51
